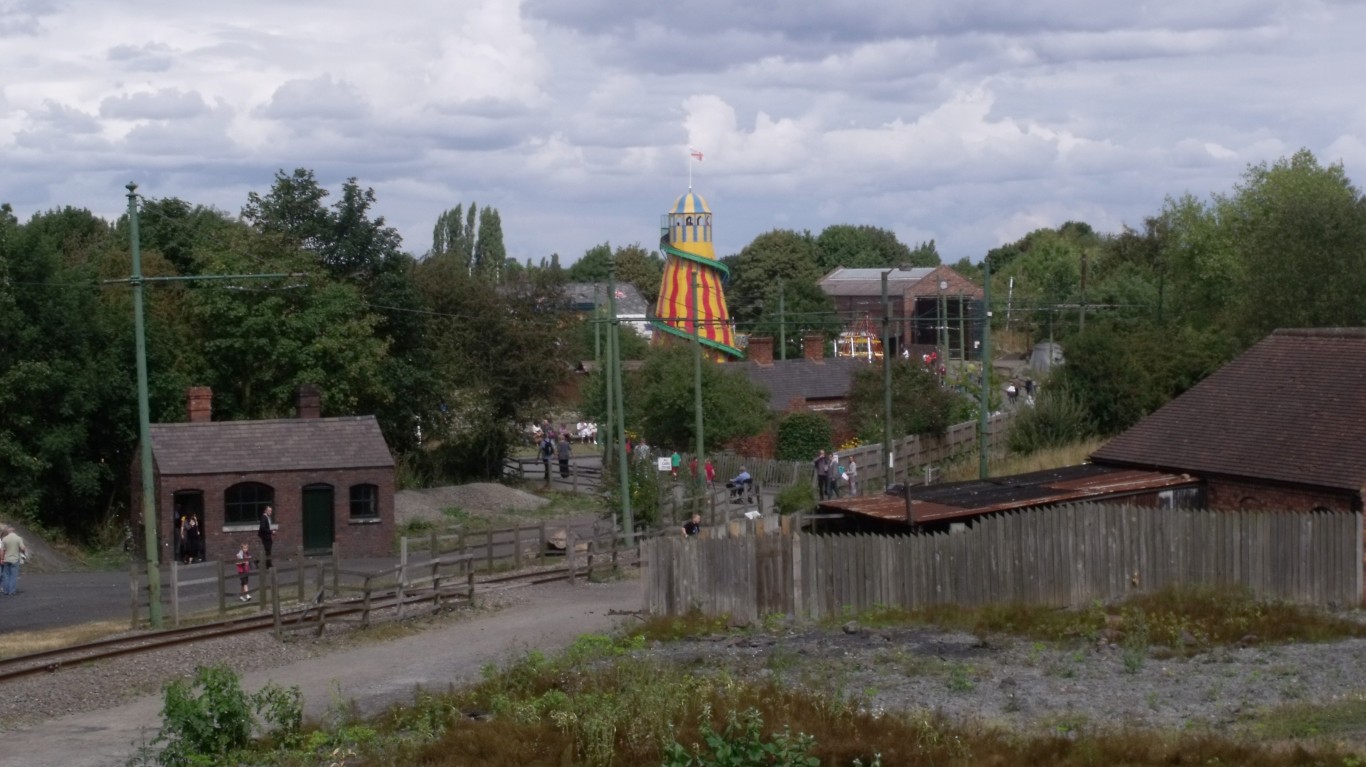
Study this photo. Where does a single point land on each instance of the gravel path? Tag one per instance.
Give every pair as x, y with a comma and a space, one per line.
96, 715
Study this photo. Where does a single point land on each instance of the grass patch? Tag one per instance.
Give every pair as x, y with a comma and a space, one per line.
1180, 619
967, 466
17, 643
665, 628
1344, 718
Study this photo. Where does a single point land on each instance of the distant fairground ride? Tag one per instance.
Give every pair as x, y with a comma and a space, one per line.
691, 294
859, 342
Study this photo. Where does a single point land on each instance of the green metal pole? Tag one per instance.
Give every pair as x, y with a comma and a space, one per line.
983, 422
886, 386
623, 469
697, 378
149, 495
608, 434
782, 320
597, 327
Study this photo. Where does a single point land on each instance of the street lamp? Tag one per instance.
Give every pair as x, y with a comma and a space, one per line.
887, 379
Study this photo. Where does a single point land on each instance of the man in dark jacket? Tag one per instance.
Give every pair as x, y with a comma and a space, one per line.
266, 533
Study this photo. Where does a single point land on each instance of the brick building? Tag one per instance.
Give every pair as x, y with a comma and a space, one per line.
330, 480
810, 382
924, 301
1277, 428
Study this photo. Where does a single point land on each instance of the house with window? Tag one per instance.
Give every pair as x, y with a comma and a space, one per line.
330, 481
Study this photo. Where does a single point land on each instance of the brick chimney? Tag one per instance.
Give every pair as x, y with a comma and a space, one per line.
761, 350
813, 347
308, 401
199, 403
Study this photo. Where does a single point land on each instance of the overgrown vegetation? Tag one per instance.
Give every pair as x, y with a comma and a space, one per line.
604, 702
1057, 419
803, 434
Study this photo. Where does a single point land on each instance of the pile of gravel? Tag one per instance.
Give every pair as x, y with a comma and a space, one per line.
478, 498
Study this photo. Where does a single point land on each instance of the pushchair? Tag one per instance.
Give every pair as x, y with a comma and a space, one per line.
742, 491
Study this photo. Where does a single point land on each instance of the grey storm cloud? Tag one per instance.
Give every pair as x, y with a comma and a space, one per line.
319, 97
148, 57
166, 104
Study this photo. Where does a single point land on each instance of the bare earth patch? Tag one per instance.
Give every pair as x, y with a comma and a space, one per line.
476, 498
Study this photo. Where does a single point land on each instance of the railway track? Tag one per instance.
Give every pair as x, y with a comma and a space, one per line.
52, 661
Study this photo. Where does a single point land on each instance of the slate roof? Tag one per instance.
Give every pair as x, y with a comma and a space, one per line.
1290, 410
290, 444
845, 281
584, 296
831, 378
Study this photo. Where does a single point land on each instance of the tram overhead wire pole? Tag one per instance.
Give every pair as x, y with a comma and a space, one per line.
149, 509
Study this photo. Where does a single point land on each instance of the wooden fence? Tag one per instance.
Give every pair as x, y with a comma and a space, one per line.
1062, 556
441, 565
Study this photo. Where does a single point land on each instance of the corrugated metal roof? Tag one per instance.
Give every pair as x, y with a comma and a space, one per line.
960, 500
868, 282
1288, 410
293, 444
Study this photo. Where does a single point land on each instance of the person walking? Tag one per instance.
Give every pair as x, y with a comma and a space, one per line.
711, 473
693, 526
822, 464
851, 473
267, 533
674, 461
14, 553
562, 453
244, 570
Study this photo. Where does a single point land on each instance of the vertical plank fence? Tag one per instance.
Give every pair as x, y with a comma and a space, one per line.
1061, 556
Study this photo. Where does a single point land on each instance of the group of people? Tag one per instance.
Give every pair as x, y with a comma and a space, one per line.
1013, 391
834, 475
548, 448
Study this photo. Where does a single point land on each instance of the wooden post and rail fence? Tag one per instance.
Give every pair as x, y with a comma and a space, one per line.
432, 570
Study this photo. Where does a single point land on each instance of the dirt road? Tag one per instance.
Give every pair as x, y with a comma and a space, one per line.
544, 617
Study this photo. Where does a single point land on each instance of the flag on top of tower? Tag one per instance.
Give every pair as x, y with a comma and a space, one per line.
697, 153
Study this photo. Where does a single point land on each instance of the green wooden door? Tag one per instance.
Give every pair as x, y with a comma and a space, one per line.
318, 519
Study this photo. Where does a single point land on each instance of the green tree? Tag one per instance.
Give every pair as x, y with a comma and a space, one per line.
489, 251
1300, 228
635, 265
868, 246
780, 262
659, 400
919, 404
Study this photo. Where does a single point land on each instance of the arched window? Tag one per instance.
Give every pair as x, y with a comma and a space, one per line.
244, 502
364, 502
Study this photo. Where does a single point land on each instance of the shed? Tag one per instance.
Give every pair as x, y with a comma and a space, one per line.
330, 481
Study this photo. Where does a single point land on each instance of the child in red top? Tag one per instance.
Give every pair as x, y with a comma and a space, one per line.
243, 568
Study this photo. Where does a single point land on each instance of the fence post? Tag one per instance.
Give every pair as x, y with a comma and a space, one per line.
336, 570
175, 593
517, 546
569, 552
133, 592
592, 546
436, 583
275, 601
222, 595
545, 543
365, 605
616, 568
432, 545
402, 571
299, 573
470, 576
488, 535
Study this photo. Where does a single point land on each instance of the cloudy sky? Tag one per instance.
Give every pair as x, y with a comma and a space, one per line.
971, 122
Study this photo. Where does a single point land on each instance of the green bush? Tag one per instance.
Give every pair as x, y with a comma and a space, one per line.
1055, 420
211, 717
795, 499
802, 435
742, 744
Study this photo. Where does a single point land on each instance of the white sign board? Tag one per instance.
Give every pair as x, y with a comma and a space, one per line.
664, 464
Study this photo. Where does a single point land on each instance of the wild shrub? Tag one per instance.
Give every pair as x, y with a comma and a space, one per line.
210, 717
1056, 419
795, 499
801, 435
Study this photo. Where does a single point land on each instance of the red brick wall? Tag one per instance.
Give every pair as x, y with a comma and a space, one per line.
1230, 494
353, 539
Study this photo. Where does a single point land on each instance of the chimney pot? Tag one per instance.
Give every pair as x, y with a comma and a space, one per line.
308, 401
761, 350
199, 404
813, 347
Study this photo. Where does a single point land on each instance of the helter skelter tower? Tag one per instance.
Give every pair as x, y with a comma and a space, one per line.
691, 290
